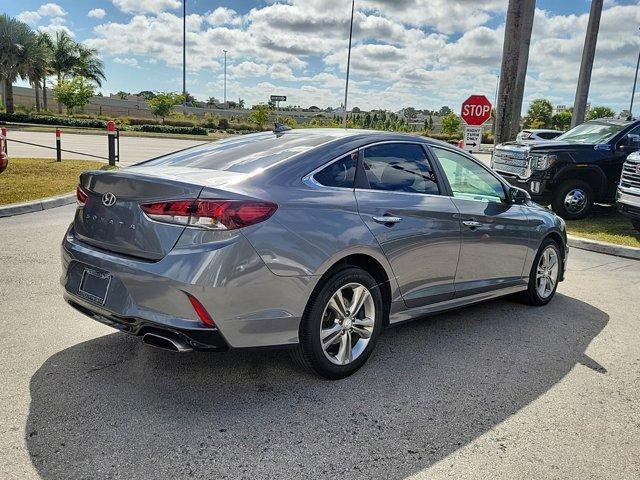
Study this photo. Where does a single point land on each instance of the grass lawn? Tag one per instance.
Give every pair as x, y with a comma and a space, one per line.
32, 178
606, 225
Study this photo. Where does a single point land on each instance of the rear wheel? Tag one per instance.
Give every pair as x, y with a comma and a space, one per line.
341, 324
573, 199
544, 276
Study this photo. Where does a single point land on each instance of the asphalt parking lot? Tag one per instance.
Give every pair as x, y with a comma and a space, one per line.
499, 390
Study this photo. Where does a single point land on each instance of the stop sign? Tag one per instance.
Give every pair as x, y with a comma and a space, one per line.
476, 110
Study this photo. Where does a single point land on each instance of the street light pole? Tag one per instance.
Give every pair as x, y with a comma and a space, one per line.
633, 92
346, 86
184, 53
225, 77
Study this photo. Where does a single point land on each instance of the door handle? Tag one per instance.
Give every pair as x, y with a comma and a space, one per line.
387, 219
471, 223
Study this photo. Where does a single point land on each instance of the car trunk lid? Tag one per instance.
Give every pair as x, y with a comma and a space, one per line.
111, 217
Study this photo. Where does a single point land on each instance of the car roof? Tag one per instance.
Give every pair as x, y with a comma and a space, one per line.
614, 121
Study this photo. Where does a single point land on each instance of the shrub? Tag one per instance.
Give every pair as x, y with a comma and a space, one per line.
141, 121
243, 126
178, 122
172, 130
223, 124
52, 120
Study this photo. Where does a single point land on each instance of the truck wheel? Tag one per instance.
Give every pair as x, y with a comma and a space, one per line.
573, 199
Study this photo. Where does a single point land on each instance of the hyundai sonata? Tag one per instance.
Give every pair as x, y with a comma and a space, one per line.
311, 239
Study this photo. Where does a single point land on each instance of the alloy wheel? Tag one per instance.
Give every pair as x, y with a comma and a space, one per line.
347, 323
547, 272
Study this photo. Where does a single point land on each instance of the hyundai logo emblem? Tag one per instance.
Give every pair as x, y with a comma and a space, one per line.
108, 199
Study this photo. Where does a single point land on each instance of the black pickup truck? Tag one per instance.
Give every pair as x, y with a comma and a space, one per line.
576, 169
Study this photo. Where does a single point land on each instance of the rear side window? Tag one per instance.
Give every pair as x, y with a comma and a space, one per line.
340, 173
399, 167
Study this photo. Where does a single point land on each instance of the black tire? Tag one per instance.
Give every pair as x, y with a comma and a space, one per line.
531, 296
309, 353
563, 190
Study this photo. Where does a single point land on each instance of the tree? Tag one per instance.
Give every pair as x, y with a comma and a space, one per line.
73, 93
409, 113
451, 124
539, 114
163, 102
260, 114
355, 110
122, 95
444, 111
240, 103
562, 120
600, 112
69, 58
17, 42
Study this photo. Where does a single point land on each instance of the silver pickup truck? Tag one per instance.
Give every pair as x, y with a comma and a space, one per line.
628, 195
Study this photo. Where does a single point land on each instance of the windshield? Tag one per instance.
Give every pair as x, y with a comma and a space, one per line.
591, 133
246, 154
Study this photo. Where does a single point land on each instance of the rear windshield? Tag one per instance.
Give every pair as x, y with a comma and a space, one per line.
592, 133
245, 154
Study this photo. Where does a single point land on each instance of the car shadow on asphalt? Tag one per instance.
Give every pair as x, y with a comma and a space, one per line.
114, 408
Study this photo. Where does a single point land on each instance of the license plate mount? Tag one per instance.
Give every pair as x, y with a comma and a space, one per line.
94, 285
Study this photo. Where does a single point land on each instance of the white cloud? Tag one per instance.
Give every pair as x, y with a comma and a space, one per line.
96, 13
223, 16
421, 52
146, 6
51, 10
30, 17
130, 62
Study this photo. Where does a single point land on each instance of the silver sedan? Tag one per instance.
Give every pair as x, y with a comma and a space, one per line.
315, 240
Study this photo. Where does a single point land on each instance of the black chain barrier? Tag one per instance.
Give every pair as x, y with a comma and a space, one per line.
54, 148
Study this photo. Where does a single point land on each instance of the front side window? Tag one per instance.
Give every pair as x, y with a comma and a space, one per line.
469, 180
340, 173
399, 167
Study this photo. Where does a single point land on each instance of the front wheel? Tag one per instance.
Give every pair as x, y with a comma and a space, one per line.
341, 324
573, 199
544, 276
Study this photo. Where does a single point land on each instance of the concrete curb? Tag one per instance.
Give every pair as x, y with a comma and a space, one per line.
604, 247
37, 205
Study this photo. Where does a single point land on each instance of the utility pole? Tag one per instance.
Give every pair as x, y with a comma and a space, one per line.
225, 78
523, 60
517, 35
588, 53
633, 92
346, 86
184, 54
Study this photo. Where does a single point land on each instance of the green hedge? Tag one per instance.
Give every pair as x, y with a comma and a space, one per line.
50, 120
170, 129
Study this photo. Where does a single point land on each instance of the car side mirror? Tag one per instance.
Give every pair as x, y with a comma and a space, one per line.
518, 196
629, 144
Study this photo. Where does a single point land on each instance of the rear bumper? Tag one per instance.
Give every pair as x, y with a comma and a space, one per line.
251, 306
197, 338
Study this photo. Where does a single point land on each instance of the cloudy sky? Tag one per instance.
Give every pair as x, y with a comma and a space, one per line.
422, 53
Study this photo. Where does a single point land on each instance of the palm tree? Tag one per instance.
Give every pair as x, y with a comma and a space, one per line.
64, 57
17, 43
47, 45
89, 65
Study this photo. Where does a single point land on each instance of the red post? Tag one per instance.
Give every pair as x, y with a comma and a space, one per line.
111, 138
3, 131
58, 145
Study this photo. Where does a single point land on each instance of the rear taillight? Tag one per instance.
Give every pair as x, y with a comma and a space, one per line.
211, 214
81, 196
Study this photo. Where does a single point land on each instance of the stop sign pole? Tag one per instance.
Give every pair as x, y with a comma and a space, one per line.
475, 111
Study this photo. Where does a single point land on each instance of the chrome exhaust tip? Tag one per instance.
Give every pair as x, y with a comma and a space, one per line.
159, 340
